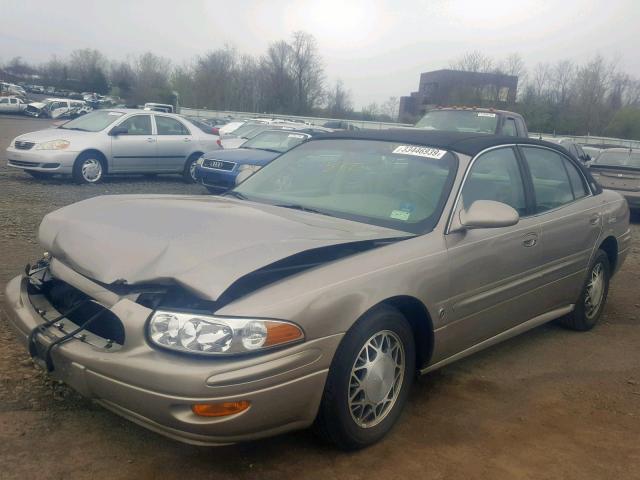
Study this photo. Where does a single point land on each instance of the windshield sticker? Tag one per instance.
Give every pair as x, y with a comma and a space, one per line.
400, 215
115, 114
295, 135
485, 114
420, 151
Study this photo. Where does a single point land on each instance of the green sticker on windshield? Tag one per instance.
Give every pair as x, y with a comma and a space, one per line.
400, 215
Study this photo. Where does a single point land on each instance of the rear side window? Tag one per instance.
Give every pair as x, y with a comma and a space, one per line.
575, 177
496, 176
170, 126
551, 179
509, 128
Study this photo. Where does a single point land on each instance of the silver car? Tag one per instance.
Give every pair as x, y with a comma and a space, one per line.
113, 141
316, 290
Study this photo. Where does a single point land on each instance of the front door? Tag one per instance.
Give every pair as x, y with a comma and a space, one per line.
135, 150
174, 143
494, 271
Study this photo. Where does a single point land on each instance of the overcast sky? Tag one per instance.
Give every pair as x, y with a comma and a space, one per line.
377, 47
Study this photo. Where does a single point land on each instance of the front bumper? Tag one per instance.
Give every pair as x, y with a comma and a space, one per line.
156, 388
54, 161
220, 179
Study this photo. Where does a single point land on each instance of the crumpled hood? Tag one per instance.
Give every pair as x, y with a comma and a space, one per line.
200, 242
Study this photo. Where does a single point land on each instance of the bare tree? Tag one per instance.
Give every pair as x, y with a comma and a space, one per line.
339, 101
390, 108
475, 61
306, 69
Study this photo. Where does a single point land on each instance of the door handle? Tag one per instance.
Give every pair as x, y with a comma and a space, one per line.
530, 240
151, 139
187, 139
595, 220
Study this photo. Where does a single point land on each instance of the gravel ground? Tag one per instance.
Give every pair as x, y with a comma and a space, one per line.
549, 404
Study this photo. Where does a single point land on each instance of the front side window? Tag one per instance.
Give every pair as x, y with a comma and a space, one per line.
388, 184
496, 176
170, 126
551, 183
137, 125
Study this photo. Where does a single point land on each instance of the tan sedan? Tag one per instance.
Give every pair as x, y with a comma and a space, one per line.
315, 291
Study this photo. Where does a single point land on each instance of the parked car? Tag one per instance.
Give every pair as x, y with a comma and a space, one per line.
206, 127
474, 119
57, 108
619, 169
11, 89
313, 292
230, 127
159, 107
340, 125
574, 148
113, 141
592, 151
12, 105
220, 170
247, 132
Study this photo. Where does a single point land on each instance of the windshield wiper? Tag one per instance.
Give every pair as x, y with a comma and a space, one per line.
233, 193
295, 206
272, 150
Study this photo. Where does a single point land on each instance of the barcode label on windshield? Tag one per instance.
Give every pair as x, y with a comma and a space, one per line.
484, 114
295, 135
420, 151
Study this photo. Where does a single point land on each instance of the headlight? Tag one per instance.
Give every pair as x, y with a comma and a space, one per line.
209, 335
251, 168
53, 145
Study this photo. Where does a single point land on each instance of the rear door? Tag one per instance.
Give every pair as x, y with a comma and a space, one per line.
174, 143
495, 277
571, 223
135, 151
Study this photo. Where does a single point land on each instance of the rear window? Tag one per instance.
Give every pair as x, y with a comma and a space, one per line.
459, 121
619, 159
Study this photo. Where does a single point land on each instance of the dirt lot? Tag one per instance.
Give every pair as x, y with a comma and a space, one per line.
549, 404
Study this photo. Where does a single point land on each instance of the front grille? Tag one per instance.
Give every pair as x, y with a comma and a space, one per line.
64, 296
20, 163
24, 145
218, 165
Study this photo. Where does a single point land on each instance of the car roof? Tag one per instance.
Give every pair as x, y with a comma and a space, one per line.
474, 109
462, 142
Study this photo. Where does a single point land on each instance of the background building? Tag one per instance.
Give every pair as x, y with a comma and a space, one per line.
455, 87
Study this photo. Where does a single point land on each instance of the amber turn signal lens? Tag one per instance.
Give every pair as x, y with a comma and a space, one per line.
222, 409
278, 333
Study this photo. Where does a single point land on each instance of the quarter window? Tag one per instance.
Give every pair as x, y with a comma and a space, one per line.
575, 178
496, 176
170, 126
138, 125
551, 183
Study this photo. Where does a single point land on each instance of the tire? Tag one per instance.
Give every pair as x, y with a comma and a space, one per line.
348, 425
88, 168
584, 317
188, 174
39, 175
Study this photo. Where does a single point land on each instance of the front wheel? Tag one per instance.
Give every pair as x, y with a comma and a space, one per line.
593, 297
88, 168
369, 380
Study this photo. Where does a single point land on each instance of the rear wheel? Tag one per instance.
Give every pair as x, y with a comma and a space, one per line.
369, 380
88, 168
189, 172
593, 297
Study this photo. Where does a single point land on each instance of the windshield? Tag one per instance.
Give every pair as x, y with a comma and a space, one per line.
93, 122
248, 127
279, 141
629, 159
381, 183
459, 121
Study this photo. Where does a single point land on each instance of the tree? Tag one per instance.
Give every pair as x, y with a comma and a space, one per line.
87, 69
152, 79
625, 124
339, 101
306, 70
390, 108
474, 61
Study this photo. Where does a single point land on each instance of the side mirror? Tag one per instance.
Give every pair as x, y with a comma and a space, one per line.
118, 130
487, 214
